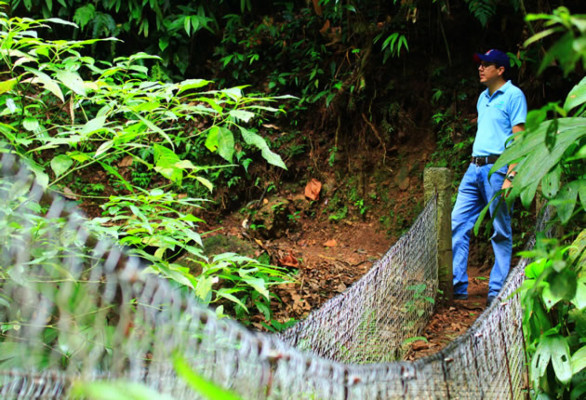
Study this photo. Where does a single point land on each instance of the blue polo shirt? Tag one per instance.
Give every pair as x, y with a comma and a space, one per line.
497, 114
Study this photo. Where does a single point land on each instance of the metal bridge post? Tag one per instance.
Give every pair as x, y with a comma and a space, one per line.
439, 181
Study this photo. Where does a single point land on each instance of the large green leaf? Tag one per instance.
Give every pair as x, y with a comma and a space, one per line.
577, 96
579, 299
93, 125
115, 390
260, 143
221, 139
242, 115
71, 80
560, 356
551, 182
534, 159
47, 82
257, 284
31, 124
565, 201
205, 388
166, 163
579, 360
7, 85
581, 185
156, 129
556, 350
60, 164
84, 14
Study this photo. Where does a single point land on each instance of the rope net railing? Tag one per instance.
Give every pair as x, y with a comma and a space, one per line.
76, 309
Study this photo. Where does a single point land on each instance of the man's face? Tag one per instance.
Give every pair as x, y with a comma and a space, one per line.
489, 72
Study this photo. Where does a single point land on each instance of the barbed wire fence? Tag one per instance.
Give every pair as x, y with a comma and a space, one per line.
76, 309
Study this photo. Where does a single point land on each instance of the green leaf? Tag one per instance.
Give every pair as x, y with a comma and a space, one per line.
257, 284
7, 85
192, 84
60, 164
47, 82
206, 183
563, 284
187, 25
223, 293
115, 390
163, 43
179, 274
114, 171
533, 157
207, 389
565, 202
578, 391
556, 349
415, 339
72, 80
203, 290
221, 139
579, 299
83, 15
61, 21
540, 360
242, 115
156, 129
166, 163
31, 124
578, 360
80, 157
92, 126
560, 356
581, 184
226, 144
551, 182
264, 309
259, 142
104, 147
550, 299
577, 96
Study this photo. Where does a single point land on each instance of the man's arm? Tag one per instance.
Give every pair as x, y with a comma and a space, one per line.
510, 172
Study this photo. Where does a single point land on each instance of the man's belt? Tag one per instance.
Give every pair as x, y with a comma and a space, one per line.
480, 161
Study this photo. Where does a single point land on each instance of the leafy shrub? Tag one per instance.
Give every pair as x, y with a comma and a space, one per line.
70, 115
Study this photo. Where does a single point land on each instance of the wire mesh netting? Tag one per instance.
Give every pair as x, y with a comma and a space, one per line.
76, 309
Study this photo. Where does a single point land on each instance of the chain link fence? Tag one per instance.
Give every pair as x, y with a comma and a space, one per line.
76, 309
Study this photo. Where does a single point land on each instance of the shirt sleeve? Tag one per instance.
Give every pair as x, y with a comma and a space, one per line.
518, 109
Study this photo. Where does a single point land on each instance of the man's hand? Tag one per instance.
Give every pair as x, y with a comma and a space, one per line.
506, 188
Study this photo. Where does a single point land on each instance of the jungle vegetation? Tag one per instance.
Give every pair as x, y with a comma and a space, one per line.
193, 104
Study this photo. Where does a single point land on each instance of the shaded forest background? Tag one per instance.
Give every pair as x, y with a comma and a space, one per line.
372, 78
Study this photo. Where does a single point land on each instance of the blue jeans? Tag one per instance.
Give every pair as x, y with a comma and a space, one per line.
474, 193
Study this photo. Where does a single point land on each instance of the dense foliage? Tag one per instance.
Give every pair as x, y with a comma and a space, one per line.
146, 136
72, 117
550, 156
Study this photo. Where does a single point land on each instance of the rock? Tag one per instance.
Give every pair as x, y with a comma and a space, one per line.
272, 219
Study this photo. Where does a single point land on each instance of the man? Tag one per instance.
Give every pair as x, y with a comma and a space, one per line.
502, 110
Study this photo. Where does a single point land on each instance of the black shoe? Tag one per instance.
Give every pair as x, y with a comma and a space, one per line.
463, 296
489, 300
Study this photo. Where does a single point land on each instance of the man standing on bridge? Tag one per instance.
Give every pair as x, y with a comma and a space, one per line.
502, 110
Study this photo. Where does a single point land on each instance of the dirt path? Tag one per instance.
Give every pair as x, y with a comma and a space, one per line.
331, 256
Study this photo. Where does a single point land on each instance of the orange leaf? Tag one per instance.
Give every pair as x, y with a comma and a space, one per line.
289, 261
312, 189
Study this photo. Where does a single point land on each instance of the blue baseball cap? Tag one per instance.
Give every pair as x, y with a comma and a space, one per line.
493, 56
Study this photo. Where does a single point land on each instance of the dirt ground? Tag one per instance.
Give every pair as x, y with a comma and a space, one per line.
330, 256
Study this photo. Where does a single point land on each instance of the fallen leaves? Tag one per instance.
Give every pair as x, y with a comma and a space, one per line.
331, 243
312, 189
289, 261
